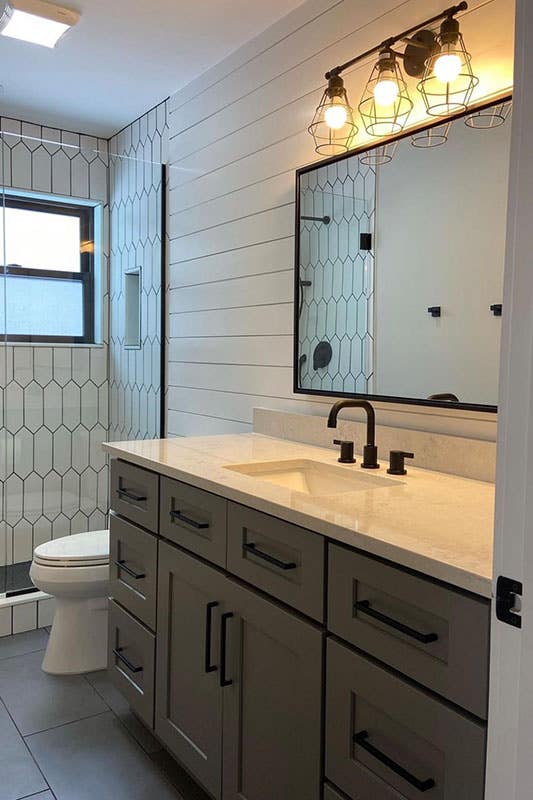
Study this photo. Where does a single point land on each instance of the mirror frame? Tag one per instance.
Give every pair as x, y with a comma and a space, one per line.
296, 328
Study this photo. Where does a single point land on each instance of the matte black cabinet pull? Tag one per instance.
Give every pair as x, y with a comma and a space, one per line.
200, 526
137, 575
361, 739
129, 495
365, 608
118, 653
208, 629
250, 547
224, 681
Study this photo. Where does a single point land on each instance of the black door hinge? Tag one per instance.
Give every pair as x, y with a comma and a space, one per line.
507, 591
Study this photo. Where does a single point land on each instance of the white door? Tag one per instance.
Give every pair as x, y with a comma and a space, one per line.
510, 746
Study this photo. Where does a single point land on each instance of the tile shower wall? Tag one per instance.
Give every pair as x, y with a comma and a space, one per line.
53, 399
337, 307
136, 201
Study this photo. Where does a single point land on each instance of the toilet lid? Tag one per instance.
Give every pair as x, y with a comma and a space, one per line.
88, 548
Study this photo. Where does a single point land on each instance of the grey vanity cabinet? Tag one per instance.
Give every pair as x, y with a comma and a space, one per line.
238, 698
272, 707
188, 714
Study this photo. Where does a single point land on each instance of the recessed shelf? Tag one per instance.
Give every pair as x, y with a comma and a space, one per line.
132, 309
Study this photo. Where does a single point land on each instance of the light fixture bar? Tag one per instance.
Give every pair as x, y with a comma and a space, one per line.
388, 43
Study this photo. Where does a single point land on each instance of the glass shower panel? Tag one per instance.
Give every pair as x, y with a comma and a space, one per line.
3, 373
98, 221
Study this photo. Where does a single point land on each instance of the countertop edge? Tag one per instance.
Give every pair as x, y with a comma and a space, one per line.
432, 568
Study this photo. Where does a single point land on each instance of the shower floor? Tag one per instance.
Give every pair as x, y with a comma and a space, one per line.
15, 579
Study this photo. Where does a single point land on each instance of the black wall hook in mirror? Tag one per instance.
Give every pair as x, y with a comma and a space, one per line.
496, 309
434, 311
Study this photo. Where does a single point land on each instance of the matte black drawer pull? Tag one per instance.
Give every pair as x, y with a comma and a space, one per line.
118, 653
129, 495
361, 739
223, 647
137, 575
250, 547
365, 608
208, 628
200, 526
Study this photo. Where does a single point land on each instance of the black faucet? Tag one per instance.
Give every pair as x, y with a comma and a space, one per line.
370, 451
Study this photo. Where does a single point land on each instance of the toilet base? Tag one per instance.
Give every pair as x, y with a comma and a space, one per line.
78, 639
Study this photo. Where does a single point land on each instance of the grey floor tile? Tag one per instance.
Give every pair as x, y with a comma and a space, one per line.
40, 796
38, 701
19, 774
119, 705
98, 758
22, 643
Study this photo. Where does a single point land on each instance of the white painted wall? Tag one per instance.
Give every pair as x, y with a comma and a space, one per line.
236, 136
440, 240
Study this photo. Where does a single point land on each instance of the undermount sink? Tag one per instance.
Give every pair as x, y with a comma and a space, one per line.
313, 477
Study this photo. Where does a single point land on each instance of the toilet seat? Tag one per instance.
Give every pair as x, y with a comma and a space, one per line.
90, 549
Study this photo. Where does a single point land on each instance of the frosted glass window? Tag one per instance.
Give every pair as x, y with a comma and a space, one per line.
47, 259
42, 307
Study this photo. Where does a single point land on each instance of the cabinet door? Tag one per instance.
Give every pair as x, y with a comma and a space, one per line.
188, 715
272, 701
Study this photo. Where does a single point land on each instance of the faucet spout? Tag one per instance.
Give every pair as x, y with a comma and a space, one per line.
370, 451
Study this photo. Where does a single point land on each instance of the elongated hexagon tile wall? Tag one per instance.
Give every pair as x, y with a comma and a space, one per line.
136, 192
53, 399
337, 306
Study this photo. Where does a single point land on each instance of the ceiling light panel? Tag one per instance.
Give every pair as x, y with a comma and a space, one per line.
36, 21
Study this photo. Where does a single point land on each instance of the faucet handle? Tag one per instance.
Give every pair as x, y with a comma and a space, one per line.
346, 456
397, 462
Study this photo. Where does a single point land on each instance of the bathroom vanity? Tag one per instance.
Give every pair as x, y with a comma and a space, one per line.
285, 643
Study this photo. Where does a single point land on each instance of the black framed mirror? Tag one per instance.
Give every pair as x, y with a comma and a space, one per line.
399, 264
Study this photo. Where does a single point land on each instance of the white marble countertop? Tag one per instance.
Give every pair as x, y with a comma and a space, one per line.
438, 524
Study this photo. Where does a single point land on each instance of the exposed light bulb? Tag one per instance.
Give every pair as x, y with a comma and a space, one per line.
335, 116
386, 91
448, 67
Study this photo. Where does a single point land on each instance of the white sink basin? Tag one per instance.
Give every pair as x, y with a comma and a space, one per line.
313, 477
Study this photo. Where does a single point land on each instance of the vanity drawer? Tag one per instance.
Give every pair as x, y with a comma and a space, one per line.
281, 559
387, 740
131, 661
194, 519
134, 493
133, 569
431, 633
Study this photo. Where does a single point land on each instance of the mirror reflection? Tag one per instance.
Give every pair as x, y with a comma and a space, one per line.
400, 265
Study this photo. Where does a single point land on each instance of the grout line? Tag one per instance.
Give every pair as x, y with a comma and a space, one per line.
28, 749
231, 278
65, 724
229, 250
20, 655
196, 231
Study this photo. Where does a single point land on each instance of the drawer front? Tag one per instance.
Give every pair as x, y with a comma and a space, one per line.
435, 635
133, 569
134, 494
282, 559
194, 519
386, 740
131, 661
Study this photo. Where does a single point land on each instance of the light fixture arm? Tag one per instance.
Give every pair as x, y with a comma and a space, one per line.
389, 43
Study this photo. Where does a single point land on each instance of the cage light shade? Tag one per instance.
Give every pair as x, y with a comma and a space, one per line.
491, 117
379, 156
36, 21
333, 128
432, 137
448, 80
385, 111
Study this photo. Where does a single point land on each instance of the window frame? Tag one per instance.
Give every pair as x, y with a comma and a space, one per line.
85, 276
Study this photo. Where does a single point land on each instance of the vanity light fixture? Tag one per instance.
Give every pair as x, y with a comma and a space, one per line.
378, 156
439, 59
385, 105
36, 21
487, 118
333, 127
448, 80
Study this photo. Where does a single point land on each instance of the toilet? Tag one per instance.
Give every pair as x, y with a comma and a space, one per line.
75, 571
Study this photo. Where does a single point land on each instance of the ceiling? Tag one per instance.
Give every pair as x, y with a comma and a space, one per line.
123, 57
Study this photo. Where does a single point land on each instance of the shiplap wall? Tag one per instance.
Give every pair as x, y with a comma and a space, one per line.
236, 136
